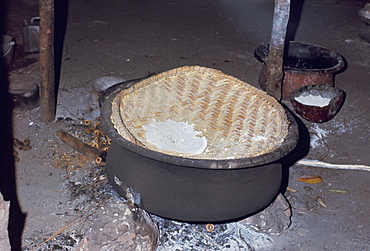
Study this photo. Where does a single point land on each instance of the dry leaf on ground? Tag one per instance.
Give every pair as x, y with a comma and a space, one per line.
310, 179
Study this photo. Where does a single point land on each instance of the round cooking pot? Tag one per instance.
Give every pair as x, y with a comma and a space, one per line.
304, 64
316, 113
193, 190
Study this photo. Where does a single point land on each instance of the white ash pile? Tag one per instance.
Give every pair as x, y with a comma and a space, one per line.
254, 233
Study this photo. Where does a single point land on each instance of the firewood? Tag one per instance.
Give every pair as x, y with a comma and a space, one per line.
80, 146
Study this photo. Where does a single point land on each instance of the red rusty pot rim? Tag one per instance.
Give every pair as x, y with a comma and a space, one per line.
334, 60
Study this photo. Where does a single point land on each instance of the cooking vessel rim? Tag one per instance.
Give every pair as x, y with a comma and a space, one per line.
337, 67
289, 143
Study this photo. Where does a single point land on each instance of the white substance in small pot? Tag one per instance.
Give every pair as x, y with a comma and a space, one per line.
175, 136
313, 100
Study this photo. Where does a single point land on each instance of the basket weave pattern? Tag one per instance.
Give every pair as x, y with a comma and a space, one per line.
237, 119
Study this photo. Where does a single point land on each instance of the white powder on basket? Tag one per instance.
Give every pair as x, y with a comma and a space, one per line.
313, 100
175, 136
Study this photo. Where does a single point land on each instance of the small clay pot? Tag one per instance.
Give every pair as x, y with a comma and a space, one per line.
317, 103
304, 64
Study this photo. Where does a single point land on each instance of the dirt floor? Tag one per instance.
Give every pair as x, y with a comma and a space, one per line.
65, 201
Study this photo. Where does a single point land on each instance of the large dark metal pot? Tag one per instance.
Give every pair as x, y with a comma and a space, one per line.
194, 190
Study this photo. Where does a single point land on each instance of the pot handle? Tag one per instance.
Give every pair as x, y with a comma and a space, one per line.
11, 44
34, 19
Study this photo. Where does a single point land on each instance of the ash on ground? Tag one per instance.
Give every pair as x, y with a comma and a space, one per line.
253, 233
99, 219
178, 236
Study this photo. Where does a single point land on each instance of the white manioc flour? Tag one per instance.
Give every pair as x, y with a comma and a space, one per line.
175, 136
313, 100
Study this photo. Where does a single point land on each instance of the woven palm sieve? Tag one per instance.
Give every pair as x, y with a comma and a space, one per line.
237, 119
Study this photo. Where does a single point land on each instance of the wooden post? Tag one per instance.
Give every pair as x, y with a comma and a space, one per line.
47, 73
4, 220
274, 63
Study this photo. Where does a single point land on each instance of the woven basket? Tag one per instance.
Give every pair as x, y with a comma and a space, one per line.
236, 119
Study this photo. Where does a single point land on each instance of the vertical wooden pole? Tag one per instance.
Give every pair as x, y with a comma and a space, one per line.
47, 88
274, 63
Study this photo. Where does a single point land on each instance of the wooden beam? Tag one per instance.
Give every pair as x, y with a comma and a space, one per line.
80, 146
274, 63
47, 72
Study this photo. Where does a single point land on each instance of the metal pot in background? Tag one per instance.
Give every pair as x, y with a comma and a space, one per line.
7, 49
31, 35
304, 64
364, 14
